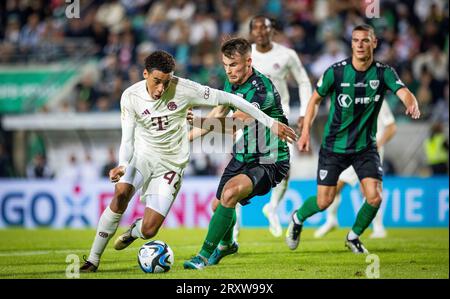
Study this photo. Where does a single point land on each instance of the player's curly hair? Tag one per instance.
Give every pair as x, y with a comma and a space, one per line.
236, 45
161, 61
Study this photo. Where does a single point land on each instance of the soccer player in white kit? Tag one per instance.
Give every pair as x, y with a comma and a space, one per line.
154, 148
385, 131
277, 62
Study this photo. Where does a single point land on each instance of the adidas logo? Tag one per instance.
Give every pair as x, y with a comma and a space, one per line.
146, 112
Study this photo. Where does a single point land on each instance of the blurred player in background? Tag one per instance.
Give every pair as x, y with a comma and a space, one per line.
253, 170
386, 129
276, 62
154, 148
357, 87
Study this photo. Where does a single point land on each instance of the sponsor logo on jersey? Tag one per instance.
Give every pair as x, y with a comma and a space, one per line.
374, 83
345, 84
323, 174
344, 100
172, 106
360, 84
146, 112
256, 105
206, 94
367, 100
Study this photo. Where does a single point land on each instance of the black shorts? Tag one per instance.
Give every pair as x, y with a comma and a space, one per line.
263, 176
366, 163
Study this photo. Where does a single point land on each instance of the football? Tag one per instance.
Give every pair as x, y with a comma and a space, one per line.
155, 257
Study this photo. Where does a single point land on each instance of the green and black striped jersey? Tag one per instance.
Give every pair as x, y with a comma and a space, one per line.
255, 145
356, 99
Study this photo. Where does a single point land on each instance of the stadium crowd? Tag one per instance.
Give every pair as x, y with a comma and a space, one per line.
413, 38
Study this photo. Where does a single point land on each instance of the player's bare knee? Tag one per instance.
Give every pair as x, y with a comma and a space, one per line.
375, 200
230, 196
324, 202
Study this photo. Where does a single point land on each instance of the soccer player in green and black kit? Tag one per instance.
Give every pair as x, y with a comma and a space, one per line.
260, 160
356, 87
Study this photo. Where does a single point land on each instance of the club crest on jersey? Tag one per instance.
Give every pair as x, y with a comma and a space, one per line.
323, 174
172, 106
374, 83
276, 66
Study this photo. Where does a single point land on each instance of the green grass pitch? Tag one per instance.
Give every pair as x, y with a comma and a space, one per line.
405, 253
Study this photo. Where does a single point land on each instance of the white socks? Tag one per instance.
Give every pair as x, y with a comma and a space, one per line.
352, 236
136, 232
106, 228
296, 220
277, 193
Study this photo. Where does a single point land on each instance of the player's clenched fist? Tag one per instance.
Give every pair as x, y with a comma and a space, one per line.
116, 173
284, 132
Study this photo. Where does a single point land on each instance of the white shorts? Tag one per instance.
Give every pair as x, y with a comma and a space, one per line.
159, 188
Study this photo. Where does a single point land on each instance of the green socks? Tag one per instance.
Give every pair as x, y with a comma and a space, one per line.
308, 209
228, 237
221, 222
364, 218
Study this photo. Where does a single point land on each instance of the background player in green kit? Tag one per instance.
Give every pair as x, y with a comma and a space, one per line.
260, 160
356, 87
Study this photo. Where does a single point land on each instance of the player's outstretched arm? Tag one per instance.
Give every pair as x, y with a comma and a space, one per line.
311, 113
281, 130
410, 102
199, 129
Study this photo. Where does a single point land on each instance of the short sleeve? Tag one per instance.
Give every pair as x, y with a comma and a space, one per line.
325, 83
392, 80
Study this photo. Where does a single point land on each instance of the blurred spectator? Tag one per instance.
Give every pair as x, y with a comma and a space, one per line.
435, 60
86, 93
441, 109
38, 168
112, 162
436, 150
110, 13
181, 10
89, 170
6, 169
72, 171
333, 53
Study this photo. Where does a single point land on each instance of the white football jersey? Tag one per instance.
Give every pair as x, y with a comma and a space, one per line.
160, 125
157, 129
276, 64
